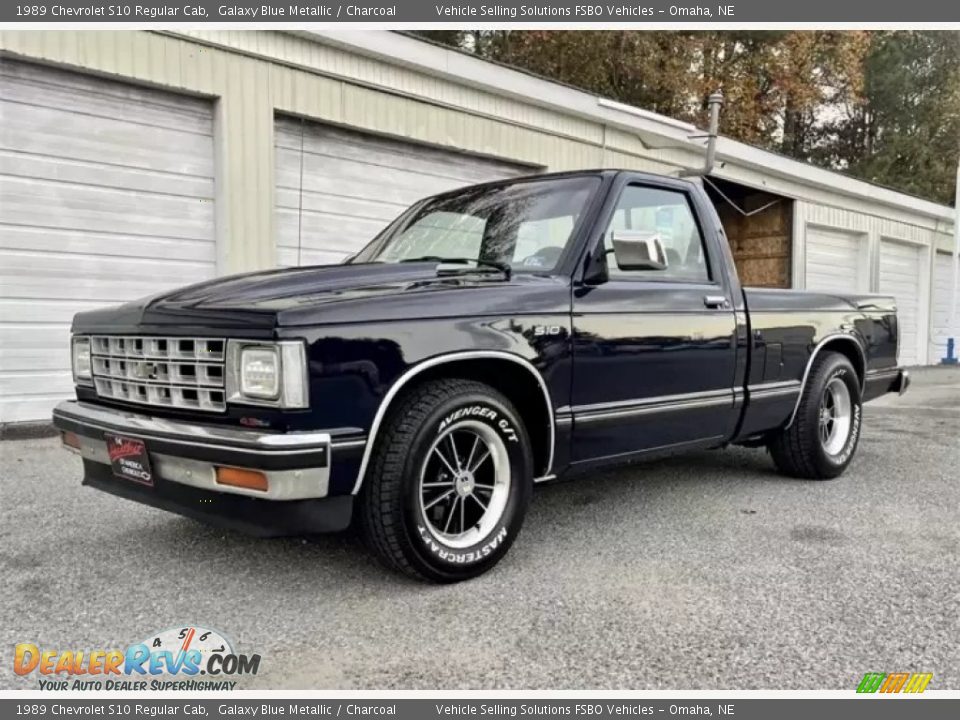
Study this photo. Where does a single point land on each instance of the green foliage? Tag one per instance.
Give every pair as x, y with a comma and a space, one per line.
883, 106
905, 131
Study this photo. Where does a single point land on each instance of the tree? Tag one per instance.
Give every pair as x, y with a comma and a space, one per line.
773, 81
883, 106
905, 131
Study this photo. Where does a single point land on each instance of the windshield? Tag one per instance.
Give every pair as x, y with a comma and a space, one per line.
525, 226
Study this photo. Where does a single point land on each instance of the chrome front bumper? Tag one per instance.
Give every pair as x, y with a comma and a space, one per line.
297, 465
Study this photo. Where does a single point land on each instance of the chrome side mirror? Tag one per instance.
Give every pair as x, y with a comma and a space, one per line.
638, 250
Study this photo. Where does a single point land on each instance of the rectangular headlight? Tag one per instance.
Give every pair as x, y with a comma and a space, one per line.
260, 372
264, 373
80, 361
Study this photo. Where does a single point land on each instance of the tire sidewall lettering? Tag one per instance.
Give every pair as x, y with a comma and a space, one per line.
501, 536
844, 456
480, 411
457, 557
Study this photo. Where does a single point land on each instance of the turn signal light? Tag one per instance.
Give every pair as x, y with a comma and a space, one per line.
70, 439
235, 477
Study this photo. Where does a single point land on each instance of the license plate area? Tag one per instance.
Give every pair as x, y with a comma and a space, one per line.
129, 459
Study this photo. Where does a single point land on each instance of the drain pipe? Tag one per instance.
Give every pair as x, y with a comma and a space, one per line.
714, 102
951, 358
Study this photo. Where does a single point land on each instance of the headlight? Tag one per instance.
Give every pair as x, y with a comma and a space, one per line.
267, 373
80, 361
260, 373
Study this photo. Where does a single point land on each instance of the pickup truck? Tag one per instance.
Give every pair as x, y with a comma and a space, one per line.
489, 338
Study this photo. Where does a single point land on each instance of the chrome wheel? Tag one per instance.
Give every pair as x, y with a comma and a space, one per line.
835, 419
464, 484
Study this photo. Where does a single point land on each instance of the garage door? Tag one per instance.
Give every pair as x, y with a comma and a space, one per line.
836, 261
354, 184
900, 276
942, 291
106, 195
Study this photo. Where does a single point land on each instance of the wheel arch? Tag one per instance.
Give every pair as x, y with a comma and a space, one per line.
509, 373
843, 343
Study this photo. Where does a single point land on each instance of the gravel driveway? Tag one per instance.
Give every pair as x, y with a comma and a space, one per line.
701, 571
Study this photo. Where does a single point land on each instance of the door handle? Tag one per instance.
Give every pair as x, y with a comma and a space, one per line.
715, 301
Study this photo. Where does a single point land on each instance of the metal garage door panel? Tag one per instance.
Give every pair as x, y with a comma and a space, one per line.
93, 95
836, 261
66, 170
900, 272
940, 321
44, 239
144, 146
137, 123
354, 184
106, 195
103, 209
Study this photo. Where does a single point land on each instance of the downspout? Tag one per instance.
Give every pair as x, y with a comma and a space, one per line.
714, 102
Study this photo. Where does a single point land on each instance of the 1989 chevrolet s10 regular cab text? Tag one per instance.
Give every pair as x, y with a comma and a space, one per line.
489, 338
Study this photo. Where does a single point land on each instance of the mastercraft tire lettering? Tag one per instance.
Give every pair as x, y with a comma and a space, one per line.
824, 435
450, 481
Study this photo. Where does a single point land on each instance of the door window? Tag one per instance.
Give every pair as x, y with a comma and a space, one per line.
668, 215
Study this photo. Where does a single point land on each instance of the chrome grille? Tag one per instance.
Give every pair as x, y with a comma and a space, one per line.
179, 372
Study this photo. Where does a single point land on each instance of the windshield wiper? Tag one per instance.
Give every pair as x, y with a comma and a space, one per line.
495, 264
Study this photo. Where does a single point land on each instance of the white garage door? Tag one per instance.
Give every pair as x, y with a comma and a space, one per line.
836, 261
106, 195
354, 184
940, 325
900, 276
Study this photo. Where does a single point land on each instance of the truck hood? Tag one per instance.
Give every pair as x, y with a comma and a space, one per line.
262, 301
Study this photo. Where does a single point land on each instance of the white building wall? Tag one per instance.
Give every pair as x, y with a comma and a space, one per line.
811, 221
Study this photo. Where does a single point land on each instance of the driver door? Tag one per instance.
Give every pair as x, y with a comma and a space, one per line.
654, 351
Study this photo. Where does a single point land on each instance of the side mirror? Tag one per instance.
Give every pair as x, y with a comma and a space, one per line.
637, 250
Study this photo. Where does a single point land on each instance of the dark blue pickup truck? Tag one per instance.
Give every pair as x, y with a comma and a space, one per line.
488, 339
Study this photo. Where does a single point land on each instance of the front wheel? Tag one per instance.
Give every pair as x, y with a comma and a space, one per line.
450, 482
823, 438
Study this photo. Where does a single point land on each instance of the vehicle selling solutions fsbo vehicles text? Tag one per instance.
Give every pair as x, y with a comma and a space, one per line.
607, 11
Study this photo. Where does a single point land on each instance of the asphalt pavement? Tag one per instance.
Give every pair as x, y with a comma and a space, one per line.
699, 571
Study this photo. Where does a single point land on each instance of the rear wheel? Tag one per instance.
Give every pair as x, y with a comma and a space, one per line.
449, 483
822, 440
